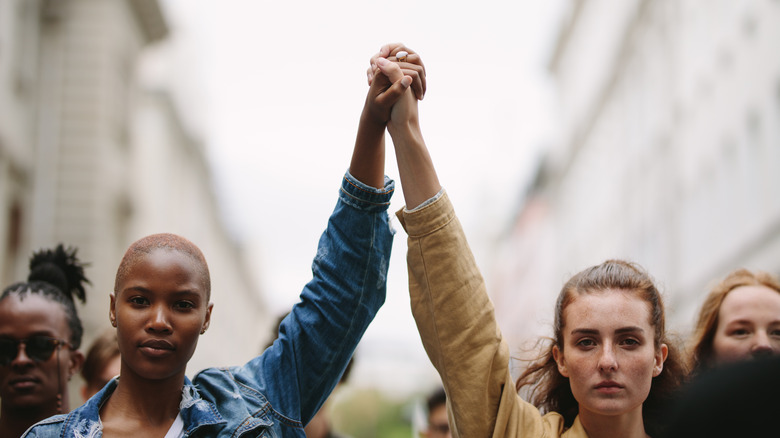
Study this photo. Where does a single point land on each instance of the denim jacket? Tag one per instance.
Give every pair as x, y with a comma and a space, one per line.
278, 392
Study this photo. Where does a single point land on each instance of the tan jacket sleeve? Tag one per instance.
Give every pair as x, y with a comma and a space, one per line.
458, 328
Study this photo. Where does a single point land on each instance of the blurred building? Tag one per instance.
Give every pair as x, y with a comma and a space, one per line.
668, 154
91, 158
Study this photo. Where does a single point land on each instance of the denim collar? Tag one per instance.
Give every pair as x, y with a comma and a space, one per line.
195, 412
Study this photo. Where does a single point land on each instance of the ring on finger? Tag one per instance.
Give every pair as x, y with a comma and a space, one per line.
401, 56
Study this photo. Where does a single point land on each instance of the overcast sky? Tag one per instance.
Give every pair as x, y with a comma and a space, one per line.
275, 90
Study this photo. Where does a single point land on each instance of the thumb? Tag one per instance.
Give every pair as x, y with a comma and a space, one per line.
390, 69
390, 96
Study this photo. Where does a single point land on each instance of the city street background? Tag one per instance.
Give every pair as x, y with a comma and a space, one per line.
566, 132
275, 90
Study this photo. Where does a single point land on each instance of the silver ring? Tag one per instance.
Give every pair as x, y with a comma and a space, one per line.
401, 56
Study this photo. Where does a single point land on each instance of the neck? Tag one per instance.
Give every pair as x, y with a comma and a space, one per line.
152, 402
14, 421
628, 425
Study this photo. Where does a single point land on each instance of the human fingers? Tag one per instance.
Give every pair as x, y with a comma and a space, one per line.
417, 73
383, 52
378, 81
390, 69
401, 53
384, 93
412, 64
388, 98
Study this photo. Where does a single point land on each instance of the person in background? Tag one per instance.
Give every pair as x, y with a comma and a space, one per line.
739, 320
102, 363
610, 366
40, 335
161, 305
734, 385
438, 425
738, 399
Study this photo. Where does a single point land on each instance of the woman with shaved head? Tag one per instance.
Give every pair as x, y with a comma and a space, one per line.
161, 305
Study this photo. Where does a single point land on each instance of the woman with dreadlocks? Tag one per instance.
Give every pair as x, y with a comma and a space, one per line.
40, 333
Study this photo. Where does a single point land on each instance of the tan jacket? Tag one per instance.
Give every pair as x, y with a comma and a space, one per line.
458, 328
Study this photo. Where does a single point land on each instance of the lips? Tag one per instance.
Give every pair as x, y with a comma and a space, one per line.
23, 382
609, 386
159, 344
156, 347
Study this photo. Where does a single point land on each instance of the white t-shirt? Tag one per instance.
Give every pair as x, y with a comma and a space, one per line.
177, 428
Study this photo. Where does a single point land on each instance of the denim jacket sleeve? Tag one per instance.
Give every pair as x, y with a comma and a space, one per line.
317, 339
457, 324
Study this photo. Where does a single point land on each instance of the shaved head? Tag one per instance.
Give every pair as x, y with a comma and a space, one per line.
172, 242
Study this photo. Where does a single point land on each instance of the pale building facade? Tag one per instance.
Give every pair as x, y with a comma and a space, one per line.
91, 158
668, 151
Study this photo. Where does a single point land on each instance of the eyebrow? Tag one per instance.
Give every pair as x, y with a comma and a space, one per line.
622, 330
741, 321
141, 289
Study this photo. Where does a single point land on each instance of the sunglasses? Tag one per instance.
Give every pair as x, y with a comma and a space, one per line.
37, 348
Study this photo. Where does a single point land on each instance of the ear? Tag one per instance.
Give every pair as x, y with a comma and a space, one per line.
112, 311
660, 358
75, 363
207, 320
558, 356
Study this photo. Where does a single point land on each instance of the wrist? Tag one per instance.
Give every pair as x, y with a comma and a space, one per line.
372, 120
407, 128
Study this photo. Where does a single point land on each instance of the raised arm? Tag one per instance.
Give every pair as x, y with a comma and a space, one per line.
387, 83
449, 300
415, 166
349, 274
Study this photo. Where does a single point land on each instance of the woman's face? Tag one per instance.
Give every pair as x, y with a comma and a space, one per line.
160, 309
608, 352
26, 382
748, 324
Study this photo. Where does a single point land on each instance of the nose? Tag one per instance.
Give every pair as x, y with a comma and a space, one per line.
158, 320
762, 346
21, 358
607, 360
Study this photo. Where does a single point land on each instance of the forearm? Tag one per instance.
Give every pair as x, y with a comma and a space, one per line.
415, 166
368, 157
348, 286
